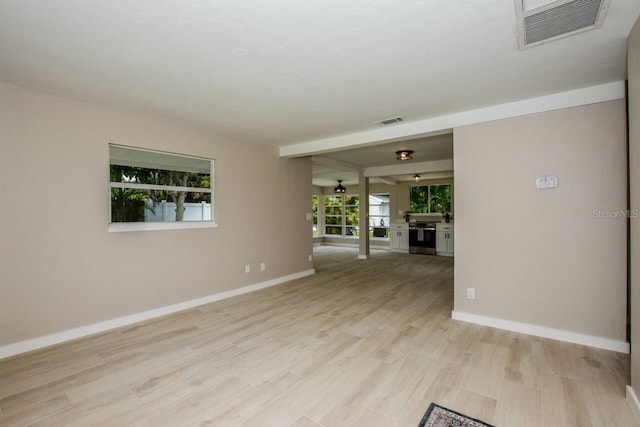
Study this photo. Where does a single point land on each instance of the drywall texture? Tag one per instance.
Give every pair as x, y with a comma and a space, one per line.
634, 190
60, 266
551, 258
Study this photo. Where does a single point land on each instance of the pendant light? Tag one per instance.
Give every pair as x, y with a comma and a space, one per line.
416, 177
339, 189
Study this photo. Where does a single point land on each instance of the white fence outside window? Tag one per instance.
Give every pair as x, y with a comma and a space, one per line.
166, 212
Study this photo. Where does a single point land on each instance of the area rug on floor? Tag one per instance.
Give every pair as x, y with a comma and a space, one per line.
439, 416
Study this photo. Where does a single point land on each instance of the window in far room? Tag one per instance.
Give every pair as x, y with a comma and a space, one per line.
352, 214
333, 215
151, 190
341, 215
430, 198
379, 217
314, 209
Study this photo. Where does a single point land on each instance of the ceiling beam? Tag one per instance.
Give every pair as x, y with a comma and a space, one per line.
410, 168
335, 164
443, 124
386, 180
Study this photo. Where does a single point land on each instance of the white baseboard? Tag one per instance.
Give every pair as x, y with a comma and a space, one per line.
543, 331
83, 331
355, 246
633, 402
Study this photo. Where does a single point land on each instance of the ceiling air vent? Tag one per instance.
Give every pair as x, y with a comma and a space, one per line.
391, 121
541, 21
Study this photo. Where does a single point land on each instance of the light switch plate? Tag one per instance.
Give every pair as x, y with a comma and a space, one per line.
544, 182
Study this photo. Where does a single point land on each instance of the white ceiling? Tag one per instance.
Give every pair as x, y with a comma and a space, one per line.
286, 72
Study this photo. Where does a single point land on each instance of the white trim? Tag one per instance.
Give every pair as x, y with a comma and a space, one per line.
341, 244
543, 331
116, 227
354, 245
424, 167
633, 402
159, 187
436, 125
362, 256
151, 164
83, 331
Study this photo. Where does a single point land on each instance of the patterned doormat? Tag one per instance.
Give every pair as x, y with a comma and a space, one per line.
438, 416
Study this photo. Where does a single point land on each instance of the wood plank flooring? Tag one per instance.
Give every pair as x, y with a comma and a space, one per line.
360, 343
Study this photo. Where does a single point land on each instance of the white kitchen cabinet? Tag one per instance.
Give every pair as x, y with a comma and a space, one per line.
399, 234
444, 239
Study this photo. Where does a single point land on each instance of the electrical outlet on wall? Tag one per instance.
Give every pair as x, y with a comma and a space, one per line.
247, 268
471, 293
263, 266
310, 258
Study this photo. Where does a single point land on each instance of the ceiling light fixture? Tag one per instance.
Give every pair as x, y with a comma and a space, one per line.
416, 177
404, 154
339, 189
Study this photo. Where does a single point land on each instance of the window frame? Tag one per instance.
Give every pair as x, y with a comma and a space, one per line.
315, 215
428, 201
170, 225
373, 221
343, 216
355, 228
327, 216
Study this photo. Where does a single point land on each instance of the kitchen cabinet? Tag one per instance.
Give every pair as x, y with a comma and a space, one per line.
399, 234
444, 239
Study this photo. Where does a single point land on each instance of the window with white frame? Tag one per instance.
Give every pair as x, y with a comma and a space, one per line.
430, 198
314, 207
333, 211
158, 190
352, 214
379, 217
341, 215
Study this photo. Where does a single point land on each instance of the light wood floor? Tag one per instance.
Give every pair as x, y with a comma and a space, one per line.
360, 343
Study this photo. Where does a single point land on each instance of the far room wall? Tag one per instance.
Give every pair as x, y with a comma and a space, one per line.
354, 190
398, 201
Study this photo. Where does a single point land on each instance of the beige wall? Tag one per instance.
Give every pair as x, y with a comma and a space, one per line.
542, 257
634, 175
61, 269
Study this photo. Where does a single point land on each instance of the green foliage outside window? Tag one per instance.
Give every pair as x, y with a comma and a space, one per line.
352, 213
430, 198
342, 215
129, 204
314, 209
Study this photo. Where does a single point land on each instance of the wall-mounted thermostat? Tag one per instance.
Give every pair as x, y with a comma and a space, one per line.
543, 182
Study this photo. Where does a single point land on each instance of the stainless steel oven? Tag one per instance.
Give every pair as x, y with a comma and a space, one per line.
422, 237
